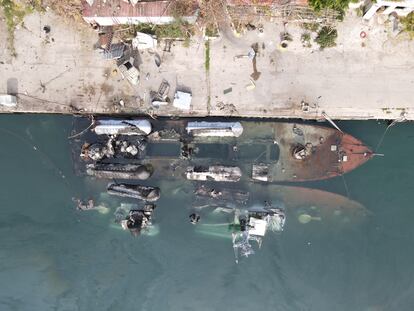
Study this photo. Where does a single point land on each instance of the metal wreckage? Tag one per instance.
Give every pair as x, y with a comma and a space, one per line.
210, 154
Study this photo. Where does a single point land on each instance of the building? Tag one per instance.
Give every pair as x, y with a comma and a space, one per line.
116, 12
401, 8
269, 3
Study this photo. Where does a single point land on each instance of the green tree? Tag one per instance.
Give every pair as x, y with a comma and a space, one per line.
408, 24
326, 37
338, 5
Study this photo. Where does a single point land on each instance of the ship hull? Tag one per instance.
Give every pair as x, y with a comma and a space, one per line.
265, 151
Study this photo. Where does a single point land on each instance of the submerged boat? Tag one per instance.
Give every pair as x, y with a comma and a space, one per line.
145, 193
265, 151
119, 171
222, 194
302, 207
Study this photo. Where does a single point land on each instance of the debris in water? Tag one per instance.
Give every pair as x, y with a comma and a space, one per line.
306, 218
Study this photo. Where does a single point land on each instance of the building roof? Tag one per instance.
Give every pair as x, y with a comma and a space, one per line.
122, 8
250, 2
265, 2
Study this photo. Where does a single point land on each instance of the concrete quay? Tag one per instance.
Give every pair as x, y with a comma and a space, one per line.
360, 78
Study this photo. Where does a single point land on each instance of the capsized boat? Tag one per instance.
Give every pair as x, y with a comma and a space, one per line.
145, 193
119, 171
122, 127
223, 219
302, 205
214, 129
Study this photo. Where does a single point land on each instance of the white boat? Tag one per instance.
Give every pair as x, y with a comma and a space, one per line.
123, 127
215, 129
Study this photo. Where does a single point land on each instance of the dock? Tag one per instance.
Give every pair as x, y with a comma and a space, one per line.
360, 79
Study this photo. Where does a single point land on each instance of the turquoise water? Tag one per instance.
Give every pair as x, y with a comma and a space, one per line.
53, 257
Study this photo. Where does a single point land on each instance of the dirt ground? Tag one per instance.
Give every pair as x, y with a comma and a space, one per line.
60, 72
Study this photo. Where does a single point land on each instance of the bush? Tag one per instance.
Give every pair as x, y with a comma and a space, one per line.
313, 27
326, 37
177, 29
207, 60
408, 24
337, 5
305, 39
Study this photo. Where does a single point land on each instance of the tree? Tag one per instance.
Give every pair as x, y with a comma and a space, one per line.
408, 24
337, 5
326, 37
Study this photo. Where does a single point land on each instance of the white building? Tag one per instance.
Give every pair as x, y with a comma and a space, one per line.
401, 8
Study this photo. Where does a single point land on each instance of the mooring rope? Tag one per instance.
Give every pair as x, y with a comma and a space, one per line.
402, 118
346, 186
81, 133
31, 144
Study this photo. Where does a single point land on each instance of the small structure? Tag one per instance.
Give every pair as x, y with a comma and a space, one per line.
268, 3
129, 71
115, 51
182, 100
8, 100
117, 12
143, 41
401, 8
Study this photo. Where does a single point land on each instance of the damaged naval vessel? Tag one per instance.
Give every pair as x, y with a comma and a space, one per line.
265, 151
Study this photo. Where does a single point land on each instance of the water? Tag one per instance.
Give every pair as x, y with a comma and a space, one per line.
53, 257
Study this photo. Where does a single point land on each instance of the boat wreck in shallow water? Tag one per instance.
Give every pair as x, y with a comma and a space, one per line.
145, 193
215, 129
214, 173
222, 194
310, 152
119, 171
122, 127
245, 223
261, 151
252, 226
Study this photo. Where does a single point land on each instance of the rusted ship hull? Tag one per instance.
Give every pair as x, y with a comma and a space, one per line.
331, 153
302, 206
